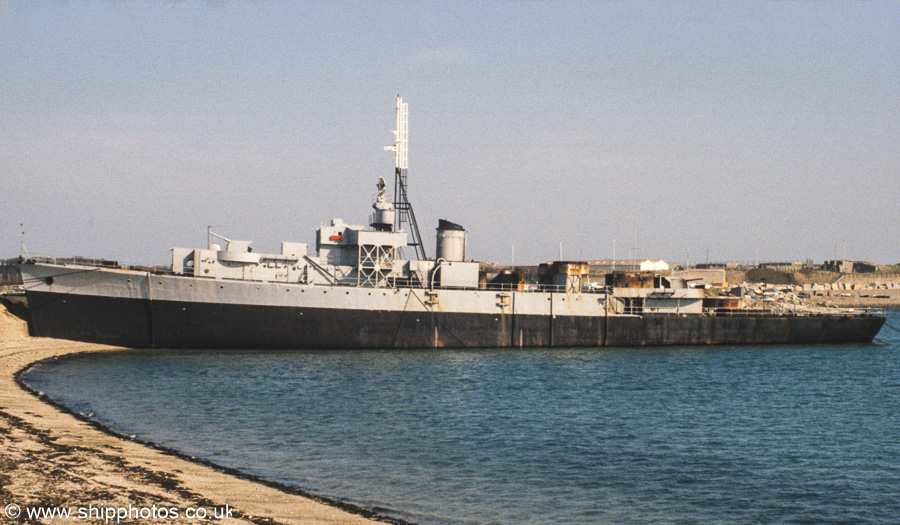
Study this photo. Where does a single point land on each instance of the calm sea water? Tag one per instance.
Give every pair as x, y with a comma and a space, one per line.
770, 434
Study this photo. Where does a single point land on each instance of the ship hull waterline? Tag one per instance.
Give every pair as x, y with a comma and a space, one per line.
146, 323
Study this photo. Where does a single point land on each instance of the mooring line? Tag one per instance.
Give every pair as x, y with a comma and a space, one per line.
400, 322
438, 320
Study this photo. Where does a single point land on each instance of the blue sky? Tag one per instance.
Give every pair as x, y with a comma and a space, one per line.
719, 128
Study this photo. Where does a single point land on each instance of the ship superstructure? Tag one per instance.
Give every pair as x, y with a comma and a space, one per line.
345, 255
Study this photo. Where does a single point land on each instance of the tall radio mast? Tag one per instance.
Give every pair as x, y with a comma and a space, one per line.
401, 200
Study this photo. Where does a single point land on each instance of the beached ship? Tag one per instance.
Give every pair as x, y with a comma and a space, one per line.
358, 291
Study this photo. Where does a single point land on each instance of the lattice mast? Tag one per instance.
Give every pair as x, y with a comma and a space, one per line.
404, 209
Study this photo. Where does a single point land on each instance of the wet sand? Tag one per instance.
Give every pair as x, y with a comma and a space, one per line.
51, 458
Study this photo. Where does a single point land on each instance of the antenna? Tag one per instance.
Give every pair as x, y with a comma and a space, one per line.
214, 234
614, 256
22, 252
634, 248
401, 199
401, 134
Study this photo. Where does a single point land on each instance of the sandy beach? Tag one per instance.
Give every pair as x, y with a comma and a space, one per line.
52, 461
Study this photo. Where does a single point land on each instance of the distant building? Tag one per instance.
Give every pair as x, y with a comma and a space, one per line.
782, 266
843, 266
9, 274
646, 265
838, 265
709, 266
864, 267
695, 276
728, 266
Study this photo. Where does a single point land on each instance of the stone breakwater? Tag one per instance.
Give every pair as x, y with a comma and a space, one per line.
52, 461
840, 295
857, 291
820, 288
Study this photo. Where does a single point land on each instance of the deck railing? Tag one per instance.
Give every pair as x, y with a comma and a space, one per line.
777, 310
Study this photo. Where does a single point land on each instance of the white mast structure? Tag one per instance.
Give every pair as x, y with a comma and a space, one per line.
401, 200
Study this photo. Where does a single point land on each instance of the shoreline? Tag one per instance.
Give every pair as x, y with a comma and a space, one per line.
53, 457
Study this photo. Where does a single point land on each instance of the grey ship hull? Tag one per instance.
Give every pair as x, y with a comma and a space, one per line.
138, 309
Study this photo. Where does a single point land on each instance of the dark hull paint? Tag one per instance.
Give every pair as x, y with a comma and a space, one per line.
166, 324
